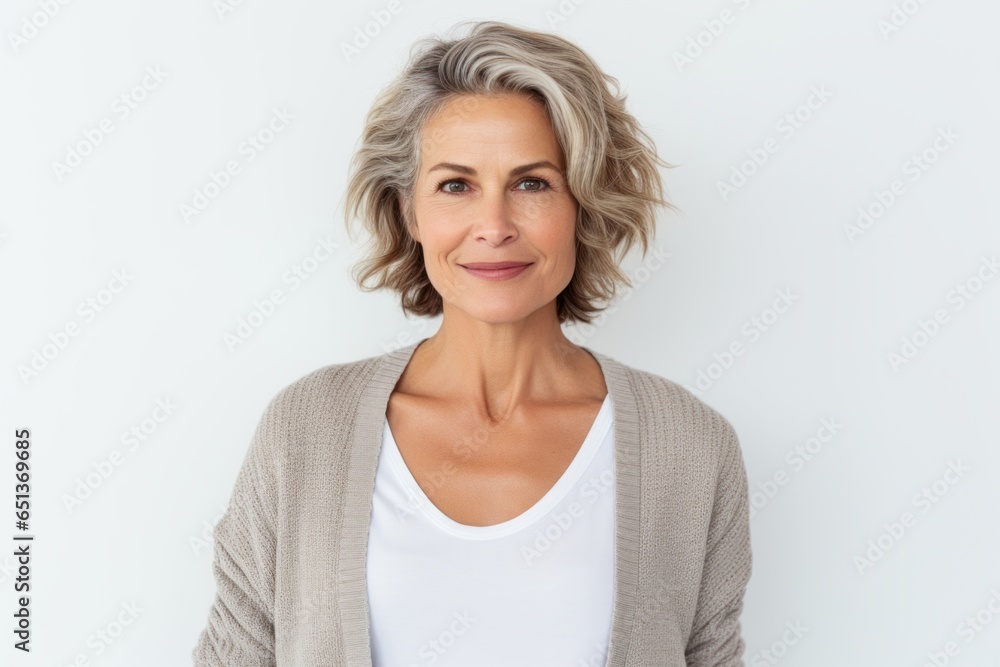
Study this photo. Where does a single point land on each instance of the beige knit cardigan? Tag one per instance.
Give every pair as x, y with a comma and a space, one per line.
290, 550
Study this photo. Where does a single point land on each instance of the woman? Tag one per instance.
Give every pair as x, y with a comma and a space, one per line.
493, 494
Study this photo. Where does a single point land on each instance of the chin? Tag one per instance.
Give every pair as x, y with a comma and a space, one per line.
497, 313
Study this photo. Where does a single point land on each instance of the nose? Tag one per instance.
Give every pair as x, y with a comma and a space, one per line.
494, 219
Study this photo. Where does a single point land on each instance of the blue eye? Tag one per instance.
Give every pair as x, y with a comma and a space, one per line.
450, 182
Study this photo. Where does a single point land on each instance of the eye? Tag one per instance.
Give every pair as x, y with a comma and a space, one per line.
542, 184
449, 183
535, 185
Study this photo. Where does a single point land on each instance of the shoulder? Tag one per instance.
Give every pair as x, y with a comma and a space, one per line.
683, 406
330, 383
672, 416
318, 403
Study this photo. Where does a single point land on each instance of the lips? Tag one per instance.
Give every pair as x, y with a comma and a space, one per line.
494, 271
491, 266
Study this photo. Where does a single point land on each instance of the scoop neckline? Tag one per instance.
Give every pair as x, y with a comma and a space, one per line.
581, 461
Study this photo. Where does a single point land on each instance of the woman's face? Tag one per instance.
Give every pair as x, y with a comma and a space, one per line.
491, 189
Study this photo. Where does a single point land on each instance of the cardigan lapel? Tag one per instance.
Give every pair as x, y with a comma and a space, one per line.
364, 449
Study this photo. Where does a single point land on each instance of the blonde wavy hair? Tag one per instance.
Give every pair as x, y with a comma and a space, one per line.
611, 163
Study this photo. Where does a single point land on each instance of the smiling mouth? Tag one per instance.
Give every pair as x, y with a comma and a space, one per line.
493, 265
496, 270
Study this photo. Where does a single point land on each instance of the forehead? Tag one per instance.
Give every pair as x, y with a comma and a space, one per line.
467, 105
472, 124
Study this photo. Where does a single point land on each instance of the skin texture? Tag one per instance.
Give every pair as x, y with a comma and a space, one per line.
491, 409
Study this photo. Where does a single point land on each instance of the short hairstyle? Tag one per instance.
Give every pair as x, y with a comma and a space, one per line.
611, 163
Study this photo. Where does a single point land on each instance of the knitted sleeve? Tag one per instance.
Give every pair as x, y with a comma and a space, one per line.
240, 630
716, 640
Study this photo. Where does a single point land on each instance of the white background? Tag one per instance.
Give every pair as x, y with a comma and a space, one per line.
143, 535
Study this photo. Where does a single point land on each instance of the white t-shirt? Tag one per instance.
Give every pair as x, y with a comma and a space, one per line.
534, 591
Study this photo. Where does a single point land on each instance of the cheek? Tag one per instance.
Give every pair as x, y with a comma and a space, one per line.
558, 231
549, 206
439, 242
436, 223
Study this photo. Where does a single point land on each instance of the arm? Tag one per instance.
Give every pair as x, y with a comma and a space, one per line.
715, 639
240, 630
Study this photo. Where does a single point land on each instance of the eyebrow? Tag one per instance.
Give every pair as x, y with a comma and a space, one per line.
513, 172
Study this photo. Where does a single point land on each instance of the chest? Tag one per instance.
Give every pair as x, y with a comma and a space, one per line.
479, 473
